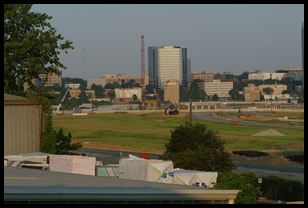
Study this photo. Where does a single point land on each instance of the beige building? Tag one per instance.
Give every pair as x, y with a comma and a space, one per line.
52, 79
172, 91
49, 80
128, 93
90, 93
277, 88
205, 76
277, 91
218, 87
97, 81
74, 92
23, 123
251, 93
111, 78
169, 64
259, 75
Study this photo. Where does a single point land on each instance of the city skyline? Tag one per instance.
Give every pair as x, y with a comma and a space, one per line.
218, 38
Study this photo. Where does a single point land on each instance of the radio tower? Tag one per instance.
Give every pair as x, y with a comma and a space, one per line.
142, 80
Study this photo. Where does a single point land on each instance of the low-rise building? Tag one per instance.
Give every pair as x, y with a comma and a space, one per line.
277, 88
172, 91
218, 87
251, 93
72, 86
74, 92
204, 76
127, 94
23, 120
90, 93
101, 81
259, 75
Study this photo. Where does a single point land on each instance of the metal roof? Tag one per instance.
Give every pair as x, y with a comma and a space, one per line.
13, 97
28, 184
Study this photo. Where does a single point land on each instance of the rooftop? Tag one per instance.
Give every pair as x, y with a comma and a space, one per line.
22, 184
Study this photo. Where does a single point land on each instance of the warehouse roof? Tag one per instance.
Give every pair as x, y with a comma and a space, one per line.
28, 184
13, 97
18, 100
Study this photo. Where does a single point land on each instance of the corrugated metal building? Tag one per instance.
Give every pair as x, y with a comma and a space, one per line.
23, 122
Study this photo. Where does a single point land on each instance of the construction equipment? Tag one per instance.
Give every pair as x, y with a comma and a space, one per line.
58, 109
171, 109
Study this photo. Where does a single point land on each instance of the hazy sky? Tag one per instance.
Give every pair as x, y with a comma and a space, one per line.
219, 38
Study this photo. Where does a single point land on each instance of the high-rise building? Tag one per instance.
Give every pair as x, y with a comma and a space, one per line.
186, 67
168, 63
303, 44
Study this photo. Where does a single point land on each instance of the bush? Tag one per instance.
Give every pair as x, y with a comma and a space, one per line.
197, 148
246, 182
277, 188
64, 143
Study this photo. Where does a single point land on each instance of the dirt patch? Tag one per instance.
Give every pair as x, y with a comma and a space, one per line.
252, 118
269, 132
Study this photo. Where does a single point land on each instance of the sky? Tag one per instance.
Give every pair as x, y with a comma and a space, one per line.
233, 38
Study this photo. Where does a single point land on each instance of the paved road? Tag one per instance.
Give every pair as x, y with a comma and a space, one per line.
113, 156
211, 116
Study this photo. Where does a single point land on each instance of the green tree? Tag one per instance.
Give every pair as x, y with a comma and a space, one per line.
83, 98
98, 90
215, 97
196, 92
64, 143
112, 85
31, 46
268, 90
135, 98
149, 88
111, 94
184, 94
246, 182
197, 148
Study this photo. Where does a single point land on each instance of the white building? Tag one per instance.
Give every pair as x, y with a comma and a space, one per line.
72, 86
258, 75
169, 64
127, 93
221, 89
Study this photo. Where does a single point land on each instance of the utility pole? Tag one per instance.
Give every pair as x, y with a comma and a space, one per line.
84, 64
190, 108
142, 67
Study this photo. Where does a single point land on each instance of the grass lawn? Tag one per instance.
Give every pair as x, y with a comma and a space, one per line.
150, 132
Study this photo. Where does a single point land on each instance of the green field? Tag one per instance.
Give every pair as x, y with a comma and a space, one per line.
150, 132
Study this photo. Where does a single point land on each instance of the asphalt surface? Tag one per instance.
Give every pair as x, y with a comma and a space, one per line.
113, 156
211, 116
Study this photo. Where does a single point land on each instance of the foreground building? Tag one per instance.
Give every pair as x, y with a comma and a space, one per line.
22, 124
48, 186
